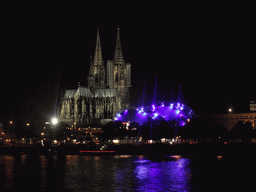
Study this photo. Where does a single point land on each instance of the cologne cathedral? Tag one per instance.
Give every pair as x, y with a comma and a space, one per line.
107, 92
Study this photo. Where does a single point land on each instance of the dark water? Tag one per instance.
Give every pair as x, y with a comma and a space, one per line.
127, 173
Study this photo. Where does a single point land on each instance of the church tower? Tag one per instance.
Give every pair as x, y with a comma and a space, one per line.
119, 75
118, 71
96, 79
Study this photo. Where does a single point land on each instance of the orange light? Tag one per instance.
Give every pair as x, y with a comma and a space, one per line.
175, 156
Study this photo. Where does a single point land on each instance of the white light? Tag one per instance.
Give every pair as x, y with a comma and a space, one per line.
54, 121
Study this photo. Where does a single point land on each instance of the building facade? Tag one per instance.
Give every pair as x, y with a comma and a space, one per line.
106, 94
229, 120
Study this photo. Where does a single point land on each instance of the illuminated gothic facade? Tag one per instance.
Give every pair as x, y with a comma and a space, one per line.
106, 94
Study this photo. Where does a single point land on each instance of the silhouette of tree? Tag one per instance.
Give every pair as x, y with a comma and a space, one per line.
201, 128
242, 130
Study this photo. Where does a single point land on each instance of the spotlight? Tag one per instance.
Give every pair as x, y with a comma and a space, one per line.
54, 121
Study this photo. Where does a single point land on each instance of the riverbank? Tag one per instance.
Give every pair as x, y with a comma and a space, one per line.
148, 149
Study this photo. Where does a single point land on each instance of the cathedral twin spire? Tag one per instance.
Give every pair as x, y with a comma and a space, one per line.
97, 71
118, 56
98, 55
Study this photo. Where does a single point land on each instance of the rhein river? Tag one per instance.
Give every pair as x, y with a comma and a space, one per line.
127, 173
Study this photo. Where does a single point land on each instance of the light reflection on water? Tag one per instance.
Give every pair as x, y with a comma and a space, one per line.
164, 175
114, 173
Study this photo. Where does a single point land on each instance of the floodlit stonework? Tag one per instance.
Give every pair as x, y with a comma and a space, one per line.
229, 120
106, 94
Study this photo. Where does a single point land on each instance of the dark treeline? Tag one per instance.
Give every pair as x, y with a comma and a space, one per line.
199, 128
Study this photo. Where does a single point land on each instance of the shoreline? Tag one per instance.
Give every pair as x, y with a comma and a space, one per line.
148, 149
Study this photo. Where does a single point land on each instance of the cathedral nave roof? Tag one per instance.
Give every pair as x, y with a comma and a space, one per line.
69, 93
105, 93
84, 91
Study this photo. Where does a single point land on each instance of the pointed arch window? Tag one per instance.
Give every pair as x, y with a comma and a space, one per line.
117, 77
96, 78
102, 76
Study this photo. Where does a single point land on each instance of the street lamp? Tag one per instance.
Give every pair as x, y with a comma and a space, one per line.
42, 140
230, 110
11, 125
54, 122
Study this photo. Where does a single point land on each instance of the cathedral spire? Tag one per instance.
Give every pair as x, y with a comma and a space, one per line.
118, 56
98, 55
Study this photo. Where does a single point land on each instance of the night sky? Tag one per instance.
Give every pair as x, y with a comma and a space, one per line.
205, 58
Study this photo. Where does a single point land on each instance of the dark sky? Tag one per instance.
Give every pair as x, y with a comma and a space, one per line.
208, 54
